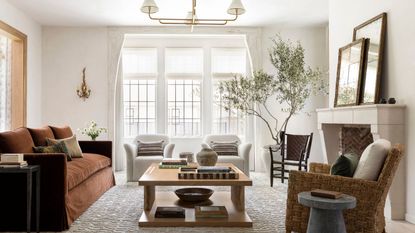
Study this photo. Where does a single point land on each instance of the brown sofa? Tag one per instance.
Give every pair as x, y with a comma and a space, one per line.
67, 188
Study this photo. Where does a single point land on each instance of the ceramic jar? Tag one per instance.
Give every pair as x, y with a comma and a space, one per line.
207, 156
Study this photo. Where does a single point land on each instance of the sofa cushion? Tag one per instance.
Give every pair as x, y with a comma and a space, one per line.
16, 141
72, 145
61, 132
39, 135
80, 169
223, 148
372, 160
150, 148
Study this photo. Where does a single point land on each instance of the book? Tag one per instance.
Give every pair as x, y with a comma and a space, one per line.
326, 193
11, 158
194, 175
175, 166
12, 164
211, 212
171, 161
213, 169
170, 212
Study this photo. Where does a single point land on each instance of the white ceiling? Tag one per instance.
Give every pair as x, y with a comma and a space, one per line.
127, 12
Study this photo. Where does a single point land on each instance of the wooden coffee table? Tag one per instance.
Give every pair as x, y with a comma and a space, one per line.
233, 200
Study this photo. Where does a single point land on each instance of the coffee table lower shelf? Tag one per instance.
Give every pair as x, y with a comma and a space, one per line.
235, 219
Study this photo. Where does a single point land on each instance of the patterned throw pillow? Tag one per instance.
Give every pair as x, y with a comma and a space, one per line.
74, 150
225, 148
59, 147
150, 148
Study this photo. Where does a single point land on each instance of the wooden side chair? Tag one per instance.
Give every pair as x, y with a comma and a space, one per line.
295, 151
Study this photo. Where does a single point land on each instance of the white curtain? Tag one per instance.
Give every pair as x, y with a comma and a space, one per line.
5, 83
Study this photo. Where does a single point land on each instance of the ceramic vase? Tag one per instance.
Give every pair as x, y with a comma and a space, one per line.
207, 157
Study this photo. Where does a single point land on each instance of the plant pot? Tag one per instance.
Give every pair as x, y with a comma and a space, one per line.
207, 157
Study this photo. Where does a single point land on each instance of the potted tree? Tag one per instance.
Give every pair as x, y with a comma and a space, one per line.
291, 85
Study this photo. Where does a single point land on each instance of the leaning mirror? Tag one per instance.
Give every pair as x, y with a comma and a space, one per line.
374, 30
349, 73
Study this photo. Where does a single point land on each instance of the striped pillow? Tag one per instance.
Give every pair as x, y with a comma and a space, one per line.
225, 148
150, 148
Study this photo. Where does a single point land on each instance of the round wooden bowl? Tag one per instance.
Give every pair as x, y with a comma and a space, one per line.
194, 194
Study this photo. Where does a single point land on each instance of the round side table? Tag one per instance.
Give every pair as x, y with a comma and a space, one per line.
326, 214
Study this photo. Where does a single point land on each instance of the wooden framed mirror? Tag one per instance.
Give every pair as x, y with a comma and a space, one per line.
349, 73
374, 30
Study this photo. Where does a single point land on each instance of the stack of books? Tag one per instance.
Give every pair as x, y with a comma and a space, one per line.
170, 212
12, 161
210, 173
211, 212
173, 163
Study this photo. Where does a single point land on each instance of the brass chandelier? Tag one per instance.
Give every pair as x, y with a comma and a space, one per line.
236, 8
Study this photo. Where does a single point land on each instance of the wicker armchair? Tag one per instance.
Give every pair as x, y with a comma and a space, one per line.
368, 215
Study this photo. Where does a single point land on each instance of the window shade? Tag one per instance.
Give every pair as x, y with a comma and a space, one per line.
140, 63
227, 62
184, 63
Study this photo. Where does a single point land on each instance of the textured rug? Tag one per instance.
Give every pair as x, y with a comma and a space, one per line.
119, 209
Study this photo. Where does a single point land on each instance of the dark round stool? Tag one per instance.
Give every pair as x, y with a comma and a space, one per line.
326, 214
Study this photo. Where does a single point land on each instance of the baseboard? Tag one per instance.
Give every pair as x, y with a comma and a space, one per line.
410, 218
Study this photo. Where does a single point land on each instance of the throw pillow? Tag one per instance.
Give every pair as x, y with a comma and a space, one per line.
150, 148
225, 148
74, 150
59, 147
345, 165
62, 132
372, 160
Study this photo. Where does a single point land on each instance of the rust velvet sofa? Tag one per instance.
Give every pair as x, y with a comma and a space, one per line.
67, 188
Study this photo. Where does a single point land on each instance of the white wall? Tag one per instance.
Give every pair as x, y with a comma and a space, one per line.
19, 20
399, 63
314, 41
66, 51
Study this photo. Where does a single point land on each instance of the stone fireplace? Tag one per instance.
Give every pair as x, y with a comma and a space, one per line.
366, 123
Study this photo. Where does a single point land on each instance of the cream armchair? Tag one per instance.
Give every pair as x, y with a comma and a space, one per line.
242, 160
137, 165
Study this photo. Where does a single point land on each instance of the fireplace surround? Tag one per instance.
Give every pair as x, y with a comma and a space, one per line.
385, 121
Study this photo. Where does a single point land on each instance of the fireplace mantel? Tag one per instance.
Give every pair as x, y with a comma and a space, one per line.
386, 121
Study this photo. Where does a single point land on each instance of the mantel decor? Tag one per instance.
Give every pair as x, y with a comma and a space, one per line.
150, 7
83, 92
374, 30
349, 73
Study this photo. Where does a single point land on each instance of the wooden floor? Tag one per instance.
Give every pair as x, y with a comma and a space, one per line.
399, 227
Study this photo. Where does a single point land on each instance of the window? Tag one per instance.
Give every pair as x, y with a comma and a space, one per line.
13, 47
139, 91
226, 62
184, 71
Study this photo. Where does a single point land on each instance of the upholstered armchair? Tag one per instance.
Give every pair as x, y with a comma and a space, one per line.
368, 215
241, 160
137, 165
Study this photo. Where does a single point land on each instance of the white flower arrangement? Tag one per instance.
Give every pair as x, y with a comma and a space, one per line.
92, 130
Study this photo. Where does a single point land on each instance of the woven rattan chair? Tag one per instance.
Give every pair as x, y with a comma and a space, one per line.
295, 151
368, 215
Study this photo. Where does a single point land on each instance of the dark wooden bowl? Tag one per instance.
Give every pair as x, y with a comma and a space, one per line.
194, 194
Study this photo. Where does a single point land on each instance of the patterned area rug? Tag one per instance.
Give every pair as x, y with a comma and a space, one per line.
119, 209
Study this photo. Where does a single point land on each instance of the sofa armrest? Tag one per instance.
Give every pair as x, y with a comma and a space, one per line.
320, 168
97, 147
243, 150
168, 150
53, 187
130, 153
